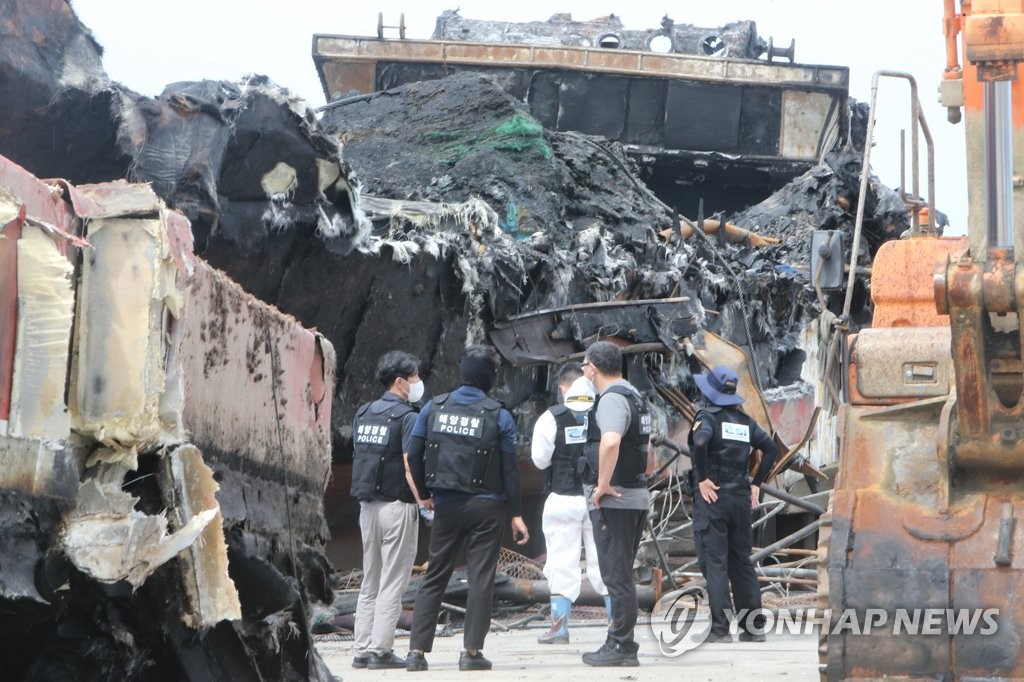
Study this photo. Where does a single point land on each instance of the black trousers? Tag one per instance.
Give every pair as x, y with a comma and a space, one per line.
617, 535
479, 523
723, 537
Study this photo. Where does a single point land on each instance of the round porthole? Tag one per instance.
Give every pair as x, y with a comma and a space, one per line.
713, 46
609, 41
661, 43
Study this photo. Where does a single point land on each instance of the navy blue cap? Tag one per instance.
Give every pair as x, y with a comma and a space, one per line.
719, 385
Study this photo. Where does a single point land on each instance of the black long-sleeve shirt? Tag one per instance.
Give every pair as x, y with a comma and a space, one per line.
705, 424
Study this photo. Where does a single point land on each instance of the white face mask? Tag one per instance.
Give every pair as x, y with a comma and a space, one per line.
416, 391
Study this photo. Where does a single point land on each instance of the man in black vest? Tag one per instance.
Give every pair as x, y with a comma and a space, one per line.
556, 447
721, 440
462, 454
616, 487
387, 508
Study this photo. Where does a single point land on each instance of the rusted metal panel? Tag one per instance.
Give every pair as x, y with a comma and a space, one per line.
912, 362
901, 540
328, 48
557, 55
901, 281
360, 77
897, 452
256, 383
804, 115
42, 200
998, 655
72, 495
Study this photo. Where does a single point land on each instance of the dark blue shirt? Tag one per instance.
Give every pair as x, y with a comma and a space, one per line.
464, 395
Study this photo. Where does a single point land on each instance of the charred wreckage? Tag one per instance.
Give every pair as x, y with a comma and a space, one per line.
177, 443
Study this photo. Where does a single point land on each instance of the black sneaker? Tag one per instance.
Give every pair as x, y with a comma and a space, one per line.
468, 661
384, 661
415, 661
360, 661
718, 639
610, 654
751, 637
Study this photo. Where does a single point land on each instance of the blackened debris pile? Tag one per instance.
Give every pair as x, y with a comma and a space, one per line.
463, 136
597, 220
254, 161
56, 113
825, 198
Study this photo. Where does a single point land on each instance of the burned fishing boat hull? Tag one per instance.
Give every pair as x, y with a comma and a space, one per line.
137, 446
726, 130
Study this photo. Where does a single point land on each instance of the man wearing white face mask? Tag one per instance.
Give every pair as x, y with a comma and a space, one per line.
387, 507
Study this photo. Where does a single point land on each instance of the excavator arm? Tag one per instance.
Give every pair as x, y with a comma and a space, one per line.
930, 486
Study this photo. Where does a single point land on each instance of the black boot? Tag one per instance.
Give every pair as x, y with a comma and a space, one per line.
468, 661
613, 653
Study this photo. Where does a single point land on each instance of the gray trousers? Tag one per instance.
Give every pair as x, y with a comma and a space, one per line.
389, 530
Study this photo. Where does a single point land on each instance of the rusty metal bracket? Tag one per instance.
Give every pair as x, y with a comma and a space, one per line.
924, 524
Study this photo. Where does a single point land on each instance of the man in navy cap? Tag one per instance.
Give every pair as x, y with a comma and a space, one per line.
721, 441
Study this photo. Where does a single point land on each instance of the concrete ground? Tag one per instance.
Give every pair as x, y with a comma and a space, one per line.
517, 656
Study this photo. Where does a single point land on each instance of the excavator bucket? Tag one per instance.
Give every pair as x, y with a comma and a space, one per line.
916, 561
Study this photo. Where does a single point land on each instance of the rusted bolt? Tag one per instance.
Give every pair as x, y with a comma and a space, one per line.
1009, 435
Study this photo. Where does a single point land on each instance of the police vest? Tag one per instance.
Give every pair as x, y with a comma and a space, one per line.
462, 449
378, 465
632, 463
730, 444
562, 476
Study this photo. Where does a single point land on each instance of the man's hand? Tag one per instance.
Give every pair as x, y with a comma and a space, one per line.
519, 530
755, 496
427, 503
707, 490
600, 490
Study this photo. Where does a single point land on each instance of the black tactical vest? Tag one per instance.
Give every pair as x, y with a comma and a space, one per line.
462, 449
562, 476
730, 445
378, 465
632, 463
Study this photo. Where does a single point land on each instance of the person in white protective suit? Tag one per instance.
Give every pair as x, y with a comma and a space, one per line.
558, 438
